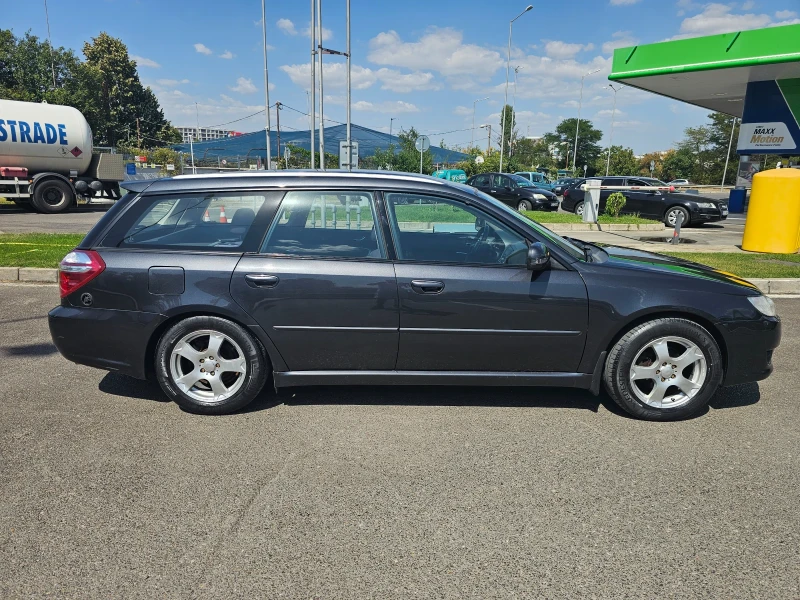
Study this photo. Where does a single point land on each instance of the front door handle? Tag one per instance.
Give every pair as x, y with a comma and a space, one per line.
427, 287
261, 280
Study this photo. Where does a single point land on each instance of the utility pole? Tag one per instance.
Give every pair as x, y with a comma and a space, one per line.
138, 134
266, 79
278, 121
349, 148
613, 114
321, 89
311, 113
50, 43
489, 140
513, 114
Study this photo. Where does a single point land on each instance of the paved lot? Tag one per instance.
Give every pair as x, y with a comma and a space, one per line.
108, 491
81, 220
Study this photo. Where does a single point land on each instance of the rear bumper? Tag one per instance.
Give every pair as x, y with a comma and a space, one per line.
750, 345
114, 340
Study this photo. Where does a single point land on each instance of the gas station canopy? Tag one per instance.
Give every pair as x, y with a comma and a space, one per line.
714, 71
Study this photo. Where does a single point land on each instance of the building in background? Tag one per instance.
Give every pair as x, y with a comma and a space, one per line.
205, 134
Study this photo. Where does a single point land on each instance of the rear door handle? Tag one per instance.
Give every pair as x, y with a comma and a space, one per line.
427, 287
261, 280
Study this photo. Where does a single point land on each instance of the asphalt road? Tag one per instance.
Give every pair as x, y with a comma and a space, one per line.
108, 491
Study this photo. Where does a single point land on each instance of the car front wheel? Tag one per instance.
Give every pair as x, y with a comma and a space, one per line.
671, 216
664, 369
524, 205
210, 365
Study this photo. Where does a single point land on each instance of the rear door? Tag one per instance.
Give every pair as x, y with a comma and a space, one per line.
483, 183
321, 285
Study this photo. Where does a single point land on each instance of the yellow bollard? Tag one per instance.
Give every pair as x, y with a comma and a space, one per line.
773, 219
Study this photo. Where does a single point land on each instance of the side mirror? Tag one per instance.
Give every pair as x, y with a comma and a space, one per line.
538, 257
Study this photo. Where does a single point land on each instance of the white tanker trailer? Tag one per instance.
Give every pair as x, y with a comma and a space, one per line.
46, 158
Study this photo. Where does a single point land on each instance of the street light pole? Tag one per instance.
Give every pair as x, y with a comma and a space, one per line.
577, 126
266, 78
472, 140
613, 114
513, 112
349, 148
508, 67
321, 89
391, 121
489, 140
728, 156
312, 112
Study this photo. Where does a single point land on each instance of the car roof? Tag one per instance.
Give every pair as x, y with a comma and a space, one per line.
286, 178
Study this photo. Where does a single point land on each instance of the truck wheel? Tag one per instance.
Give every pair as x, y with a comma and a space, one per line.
52, 196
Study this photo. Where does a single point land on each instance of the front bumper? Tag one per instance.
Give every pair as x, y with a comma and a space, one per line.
709, 215
750, 345
114, 340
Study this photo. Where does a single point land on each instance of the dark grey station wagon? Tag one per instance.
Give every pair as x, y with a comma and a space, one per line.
213, 285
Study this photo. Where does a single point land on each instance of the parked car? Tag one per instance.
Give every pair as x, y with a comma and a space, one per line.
679, 182
213, 285
559, 185
538, 179
651, 204
514, 191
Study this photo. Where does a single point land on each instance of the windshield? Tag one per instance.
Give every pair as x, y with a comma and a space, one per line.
545, 233
521, 181
654, 182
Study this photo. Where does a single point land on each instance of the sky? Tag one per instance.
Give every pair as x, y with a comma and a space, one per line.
422, 63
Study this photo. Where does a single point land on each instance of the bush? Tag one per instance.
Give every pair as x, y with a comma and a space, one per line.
615, 203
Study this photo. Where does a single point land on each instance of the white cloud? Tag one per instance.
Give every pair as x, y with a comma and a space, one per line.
785, 14
441, 50
171, 82
395, 81
718, 18
227, 54
335, 75
622, 2
203, 49
326, 33
286, 26
606, 113
141, 61
556, 49
244, 86
462, 111
395, 107
748, 5
619, 39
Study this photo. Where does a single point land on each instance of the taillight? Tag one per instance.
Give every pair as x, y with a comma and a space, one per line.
566, 193
77, 269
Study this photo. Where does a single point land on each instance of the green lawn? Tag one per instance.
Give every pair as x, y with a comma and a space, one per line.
36, 249
559, 217
761, 266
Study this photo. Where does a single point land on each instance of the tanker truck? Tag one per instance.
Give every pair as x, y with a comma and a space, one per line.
47, 163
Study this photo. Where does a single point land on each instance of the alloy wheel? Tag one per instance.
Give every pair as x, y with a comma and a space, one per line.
208, 366
668, 372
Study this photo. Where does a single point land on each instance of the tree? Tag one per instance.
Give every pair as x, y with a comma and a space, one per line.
406, 158
510, 124
533, 154
588, 149
677, 164
623, 162
643, 168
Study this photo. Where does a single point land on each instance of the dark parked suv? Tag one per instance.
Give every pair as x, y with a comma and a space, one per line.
212, 285
515, 191
661, 205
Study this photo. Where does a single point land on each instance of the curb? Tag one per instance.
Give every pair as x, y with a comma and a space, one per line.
29, 274
777, 286
558, 227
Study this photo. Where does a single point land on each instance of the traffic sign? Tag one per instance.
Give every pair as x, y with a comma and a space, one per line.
423, 143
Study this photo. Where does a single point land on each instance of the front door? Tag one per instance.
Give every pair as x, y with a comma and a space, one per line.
504, 189
321, 287
467, 300
645, 201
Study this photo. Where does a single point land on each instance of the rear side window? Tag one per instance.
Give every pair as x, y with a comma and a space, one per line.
325, 224
481, 180
195, 221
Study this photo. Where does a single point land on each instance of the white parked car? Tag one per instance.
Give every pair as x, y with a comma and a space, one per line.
679, 182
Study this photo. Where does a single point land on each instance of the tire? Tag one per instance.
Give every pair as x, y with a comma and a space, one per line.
524, 205
639, 395
671, 216
579, 208
52, 196
184, 350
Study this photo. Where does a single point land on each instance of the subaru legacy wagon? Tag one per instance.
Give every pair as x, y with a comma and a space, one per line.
214, 285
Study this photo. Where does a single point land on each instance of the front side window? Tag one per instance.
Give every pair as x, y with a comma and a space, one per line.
432, 229
325, 224
211, 220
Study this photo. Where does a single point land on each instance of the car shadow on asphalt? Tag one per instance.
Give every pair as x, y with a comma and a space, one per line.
455, 396
44, 349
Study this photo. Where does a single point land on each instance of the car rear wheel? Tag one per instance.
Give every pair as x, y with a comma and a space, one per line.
671, 216
524, 205
664, 369
210, 365
579, 208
